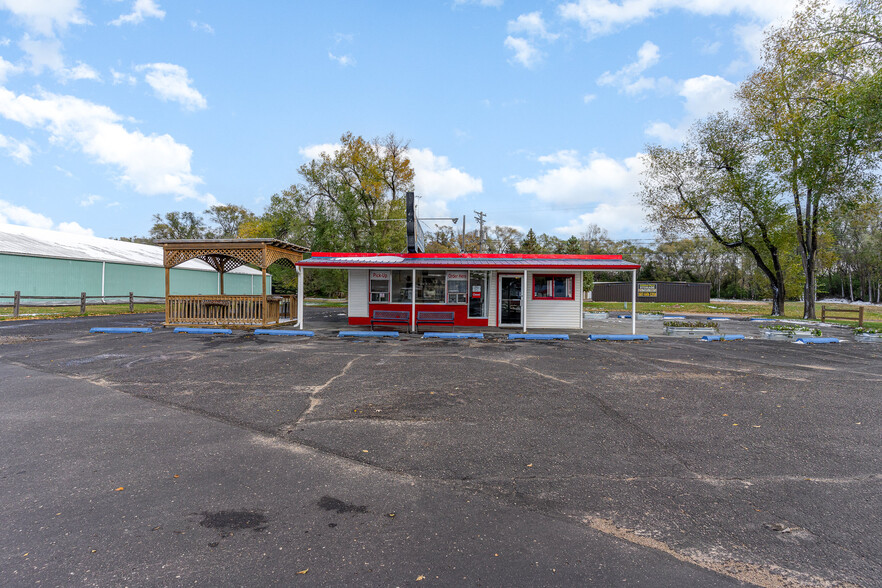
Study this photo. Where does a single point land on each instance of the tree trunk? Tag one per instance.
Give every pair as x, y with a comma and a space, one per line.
850, 287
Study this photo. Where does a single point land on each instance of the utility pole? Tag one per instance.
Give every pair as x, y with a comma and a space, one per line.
463, 233
479, 218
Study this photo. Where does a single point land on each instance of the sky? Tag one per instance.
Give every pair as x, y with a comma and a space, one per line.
535, 112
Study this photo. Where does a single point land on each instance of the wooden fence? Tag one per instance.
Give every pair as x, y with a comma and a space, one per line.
80, 301
223, 309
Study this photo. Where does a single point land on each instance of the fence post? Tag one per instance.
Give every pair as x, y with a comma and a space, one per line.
82, 303
823, 313
16, 304
131, 302
860, 316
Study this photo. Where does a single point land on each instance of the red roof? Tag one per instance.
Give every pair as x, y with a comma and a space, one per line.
505, 261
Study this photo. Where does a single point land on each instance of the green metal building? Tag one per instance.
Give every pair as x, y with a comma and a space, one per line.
39, 262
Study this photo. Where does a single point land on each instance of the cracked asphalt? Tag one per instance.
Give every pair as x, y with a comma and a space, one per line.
169, 459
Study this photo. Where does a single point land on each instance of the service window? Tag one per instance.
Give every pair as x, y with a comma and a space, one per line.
380, 286
547, 287
430, 286
457, 287
402, 285
478, 294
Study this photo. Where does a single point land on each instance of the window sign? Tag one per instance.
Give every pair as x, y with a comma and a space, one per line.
457, 287
380, 286
547, 287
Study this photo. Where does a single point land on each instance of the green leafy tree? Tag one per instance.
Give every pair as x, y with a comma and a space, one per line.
227, 219
178, 225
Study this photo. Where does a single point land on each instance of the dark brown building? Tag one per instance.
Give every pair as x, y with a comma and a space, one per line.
652, 292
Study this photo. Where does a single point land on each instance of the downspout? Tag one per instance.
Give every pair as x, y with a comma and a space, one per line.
524, 296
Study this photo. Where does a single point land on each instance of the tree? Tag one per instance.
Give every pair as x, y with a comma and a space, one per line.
228, 219
177, 225
595, 240
815, 105
717, 184
530, 244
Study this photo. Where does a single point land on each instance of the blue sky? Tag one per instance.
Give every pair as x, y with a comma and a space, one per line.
535, 112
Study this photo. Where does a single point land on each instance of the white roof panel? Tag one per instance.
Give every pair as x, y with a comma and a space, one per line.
18, 240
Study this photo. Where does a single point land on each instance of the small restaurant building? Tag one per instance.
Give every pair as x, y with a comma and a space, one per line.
419, 290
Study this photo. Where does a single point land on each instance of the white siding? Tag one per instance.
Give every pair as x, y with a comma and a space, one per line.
554, 314
491, 292
358, 292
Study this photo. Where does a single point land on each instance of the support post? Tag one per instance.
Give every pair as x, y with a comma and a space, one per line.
413, 301
633, 302
131, 302
581, 296
82, 303
263, 305
221, 282
16, 304
103, 267
524, 297
167, 303
300, 316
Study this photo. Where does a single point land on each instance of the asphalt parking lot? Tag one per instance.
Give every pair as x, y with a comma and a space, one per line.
172, 459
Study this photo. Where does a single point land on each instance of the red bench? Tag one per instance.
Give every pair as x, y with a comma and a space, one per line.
433, 317
390, 317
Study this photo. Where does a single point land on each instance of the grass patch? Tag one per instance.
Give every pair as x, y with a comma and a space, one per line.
872, 314
48, 312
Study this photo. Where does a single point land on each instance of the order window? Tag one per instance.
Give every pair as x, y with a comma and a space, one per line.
380, 286
553, 287
457, 287
430, 286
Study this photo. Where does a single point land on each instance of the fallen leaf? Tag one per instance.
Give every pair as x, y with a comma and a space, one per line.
756, 426
734, 424
420, 577
725, 414
25, 555
529, 465
303, 571
119, 489
176, 476
364, 450
390, 515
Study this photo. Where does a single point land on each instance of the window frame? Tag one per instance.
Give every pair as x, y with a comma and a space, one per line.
464, 293
552, 278
388, 292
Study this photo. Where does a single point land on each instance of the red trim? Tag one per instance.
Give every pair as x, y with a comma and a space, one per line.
460, 313
571, 276
509, 268
463, 255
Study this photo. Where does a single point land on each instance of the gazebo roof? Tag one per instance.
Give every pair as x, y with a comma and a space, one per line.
226, 254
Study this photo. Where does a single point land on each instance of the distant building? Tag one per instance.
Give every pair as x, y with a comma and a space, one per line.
39, 262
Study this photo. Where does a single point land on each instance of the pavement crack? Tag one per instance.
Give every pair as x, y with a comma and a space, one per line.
314, 401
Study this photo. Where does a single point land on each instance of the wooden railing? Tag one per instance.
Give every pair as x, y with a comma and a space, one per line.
836, 314
227, 310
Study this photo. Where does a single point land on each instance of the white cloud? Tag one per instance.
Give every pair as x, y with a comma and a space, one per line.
531, 24
4, 42
343, 60
621, 220
436, 182
141, 9
7, 68
589, 98
702, 96
577, 180
16, 149
90, 200
170, 83
202, 26
630, 80
600, 17
750, 37
46, 54
150, 164
524, 51
75, 228
46, 17
19, 215
80, 71
122, 78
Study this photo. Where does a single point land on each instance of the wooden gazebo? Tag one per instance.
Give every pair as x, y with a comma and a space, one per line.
230, 310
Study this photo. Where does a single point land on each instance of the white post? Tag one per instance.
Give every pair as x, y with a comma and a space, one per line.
300, 317
413, 301
524, 297
103, 265
581, 297
633, 302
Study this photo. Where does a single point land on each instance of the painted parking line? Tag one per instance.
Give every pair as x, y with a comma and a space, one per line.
195, 331
538, 337
453, 335
674, 318
367, 334
718, 318
120, 330
618, 337
723, 338
283, 332
816, 340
